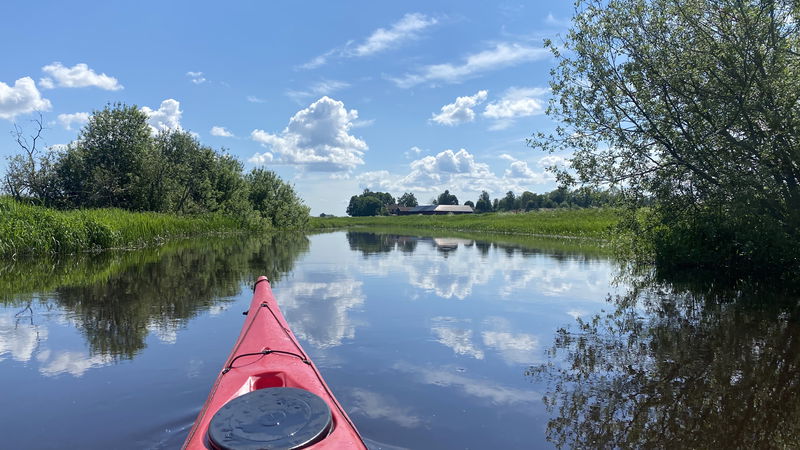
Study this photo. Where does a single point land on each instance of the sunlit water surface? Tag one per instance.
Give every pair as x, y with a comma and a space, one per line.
427, 342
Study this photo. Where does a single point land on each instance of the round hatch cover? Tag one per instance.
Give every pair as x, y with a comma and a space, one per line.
272, 418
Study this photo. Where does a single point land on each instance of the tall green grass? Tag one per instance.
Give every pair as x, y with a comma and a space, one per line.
28, 229
589, 222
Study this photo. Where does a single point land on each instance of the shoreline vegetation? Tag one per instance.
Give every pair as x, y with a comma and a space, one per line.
122, 183
597, 223
30, 229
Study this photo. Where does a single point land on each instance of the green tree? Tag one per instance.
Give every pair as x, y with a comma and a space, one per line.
484, 204
693, 103
528, 201
369, 203
446, 198
470, 204
559, 195
361, 206
107, 163
507, 203
275, 200
407, 199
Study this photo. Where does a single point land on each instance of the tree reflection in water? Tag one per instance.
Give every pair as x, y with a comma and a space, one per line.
105, 297
679, 366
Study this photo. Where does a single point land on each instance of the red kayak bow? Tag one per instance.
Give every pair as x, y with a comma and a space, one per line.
269, 394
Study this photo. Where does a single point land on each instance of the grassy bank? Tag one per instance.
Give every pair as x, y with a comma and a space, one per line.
27, 229
590, 222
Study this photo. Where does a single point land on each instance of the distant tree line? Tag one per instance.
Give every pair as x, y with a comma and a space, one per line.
118, 162
371, 203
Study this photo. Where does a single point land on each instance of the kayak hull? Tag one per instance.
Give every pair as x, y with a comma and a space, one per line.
268, 355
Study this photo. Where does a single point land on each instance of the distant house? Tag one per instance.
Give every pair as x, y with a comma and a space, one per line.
439, 210
398, 209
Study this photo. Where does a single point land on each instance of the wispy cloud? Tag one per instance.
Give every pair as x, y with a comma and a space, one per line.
406, 29
318, 89
502, 55
196, 77
553, 20
254, 99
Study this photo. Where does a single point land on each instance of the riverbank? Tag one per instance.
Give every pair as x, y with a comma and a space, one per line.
587, 222
29, 229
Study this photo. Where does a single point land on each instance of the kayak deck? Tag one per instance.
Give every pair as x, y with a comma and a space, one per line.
268, 355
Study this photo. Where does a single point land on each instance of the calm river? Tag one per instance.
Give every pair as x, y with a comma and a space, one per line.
428, 342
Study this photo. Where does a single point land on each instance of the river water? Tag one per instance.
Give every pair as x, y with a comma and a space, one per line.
427, 341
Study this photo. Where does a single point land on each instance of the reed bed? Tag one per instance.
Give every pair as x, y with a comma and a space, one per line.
29, 229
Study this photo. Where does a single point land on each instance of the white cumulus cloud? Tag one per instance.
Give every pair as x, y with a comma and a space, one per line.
22, 98
220, 131
552, 160
515, 103
166, 117
461, 110
79, 75
317, 138
78, 119
503, 55
522, 173
519, 170
458, 172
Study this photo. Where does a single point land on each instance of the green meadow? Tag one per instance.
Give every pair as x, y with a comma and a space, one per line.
586, 222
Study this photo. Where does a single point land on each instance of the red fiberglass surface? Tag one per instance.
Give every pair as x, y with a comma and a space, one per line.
266, 329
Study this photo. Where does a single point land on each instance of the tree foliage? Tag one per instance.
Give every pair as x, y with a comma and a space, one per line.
446, 198
693, 103
407, 199
484, 203
275, 200
117, 161
107, 165
369, 203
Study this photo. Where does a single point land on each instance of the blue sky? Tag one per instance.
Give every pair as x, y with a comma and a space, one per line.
333, 96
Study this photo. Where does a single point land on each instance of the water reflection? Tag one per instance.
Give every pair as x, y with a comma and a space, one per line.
496, 336
679, 365
318, 310
481, 388
117, 299
424, 339
19, 339
452, 268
